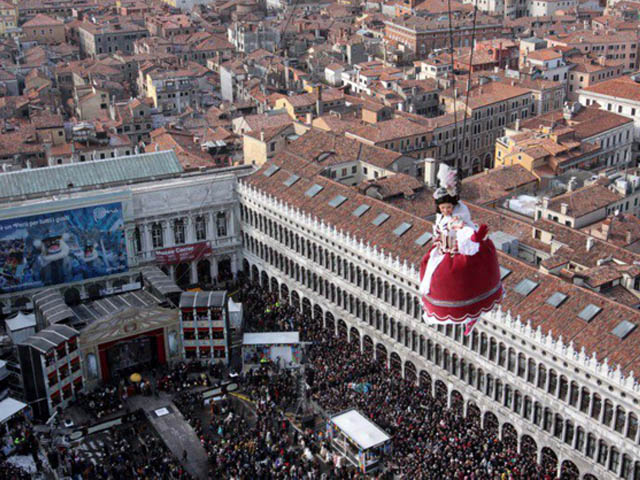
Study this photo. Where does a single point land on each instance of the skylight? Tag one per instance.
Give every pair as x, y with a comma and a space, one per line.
556, 299
525, 287
271, 170
291, 180
504, 272
380, 219
589, 312
313, 190
402, 228
336, 201
361, 210
623, 329
423, 239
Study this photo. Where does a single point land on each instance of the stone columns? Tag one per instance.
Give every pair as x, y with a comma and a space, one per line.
193, 271
167, 233
213, 268
190, 230
147, 243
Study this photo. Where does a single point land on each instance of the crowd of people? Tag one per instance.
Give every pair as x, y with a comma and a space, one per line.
103, 401
258, 443
429, 439
17, 439
183, 376
134, 451
264, 312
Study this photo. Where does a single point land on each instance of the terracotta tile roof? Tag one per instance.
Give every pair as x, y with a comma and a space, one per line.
335, 149
47, 120
488, 94
544, 54
623, 296
495, 183
389, 130
42, 20
622, 87
585, 200
623, 229
586, 123
392, 186
263, 120
598, 276
267, 134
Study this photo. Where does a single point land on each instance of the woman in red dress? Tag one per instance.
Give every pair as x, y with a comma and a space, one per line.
460, 275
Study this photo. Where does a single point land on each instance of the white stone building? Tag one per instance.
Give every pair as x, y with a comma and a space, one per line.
552, 370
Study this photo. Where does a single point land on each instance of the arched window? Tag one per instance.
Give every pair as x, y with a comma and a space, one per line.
492, 349
528, 408
564, 388
603, 452
632, 432
542, 376
531, 375
522, 365
574, 394
568, 432
511, 364
558, 426
553, 382
580, 439
502, 354
591, 446
537, 414
620, 419
614, 460
608, 413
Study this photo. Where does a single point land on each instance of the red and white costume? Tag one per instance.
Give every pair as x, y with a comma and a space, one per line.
460, 275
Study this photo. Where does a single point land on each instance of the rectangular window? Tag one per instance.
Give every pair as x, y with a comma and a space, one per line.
178, 231
201, 228
221, 223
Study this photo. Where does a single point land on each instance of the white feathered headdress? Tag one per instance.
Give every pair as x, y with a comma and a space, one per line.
448, 178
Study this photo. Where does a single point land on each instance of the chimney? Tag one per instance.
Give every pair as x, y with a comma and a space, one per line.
516, 127
628, 237
606, 229
545, 202
564, 208
319, 102
262, 135
430, 172
589, 243
573, 183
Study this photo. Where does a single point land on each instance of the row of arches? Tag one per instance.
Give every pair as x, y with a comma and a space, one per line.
388, 358
489, 347
604, 411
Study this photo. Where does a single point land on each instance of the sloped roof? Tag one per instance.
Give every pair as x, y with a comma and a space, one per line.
31, 182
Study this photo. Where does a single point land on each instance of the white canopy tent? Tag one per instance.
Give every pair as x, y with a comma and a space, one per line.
9, 407
359, 440
358, 428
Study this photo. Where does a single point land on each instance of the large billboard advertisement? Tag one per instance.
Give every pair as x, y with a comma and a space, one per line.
61, 247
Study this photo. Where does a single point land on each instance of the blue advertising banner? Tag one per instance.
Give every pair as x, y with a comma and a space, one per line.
61, 247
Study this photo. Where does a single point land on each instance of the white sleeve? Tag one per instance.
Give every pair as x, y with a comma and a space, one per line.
466, 246
463, 212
